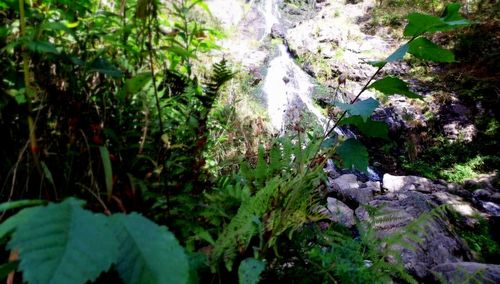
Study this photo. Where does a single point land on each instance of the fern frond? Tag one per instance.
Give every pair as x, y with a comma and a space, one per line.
239, 232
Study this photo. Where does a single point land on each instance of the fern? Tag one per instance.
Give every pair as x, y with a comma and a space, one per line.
283, 200
237, 235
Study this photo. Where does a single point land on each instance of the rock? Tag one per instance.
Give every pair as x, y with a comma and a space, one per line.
453, 187
278, 31
438, 245
339, 212
467, 272
345, 182
482, 194
455, 121
400, 183
457, 203
471, 184
491, 208
357, 195
374, 185
347, 188
495, 197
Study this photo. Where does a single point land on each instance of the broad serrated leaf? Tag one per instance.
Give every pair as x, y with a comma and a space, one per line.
451, 12
10, 225
250, 270
393, 86
329, 142
148, 253
353, 154
20, 203
363, 108
452, 17
63, 243
426, 49
398, 54
368, 128
41, 47
419, 23
395, 56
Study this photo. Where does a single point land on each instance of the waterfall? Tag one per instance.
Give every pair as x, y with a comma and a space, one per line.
269, 9
288, 88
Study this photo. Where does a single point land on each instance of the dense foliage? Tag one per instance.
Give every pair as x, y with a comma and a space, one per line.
116, 103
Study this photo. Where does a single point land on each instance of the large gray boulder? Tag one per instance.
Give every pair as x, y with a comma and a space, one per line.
437, 243
402, 183
467, 272
347, 188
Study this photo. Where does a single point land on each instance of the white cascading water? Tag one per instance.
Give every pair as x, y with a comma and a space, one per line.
271, 14
288, 87
284, 86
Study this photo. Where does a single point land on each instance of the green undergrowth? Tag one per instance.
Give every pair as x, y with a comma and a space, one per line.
480, 238
452, 162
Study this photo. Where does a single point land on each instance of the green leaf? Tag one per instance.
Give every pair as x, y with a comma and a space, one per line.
19, 203
393, 86
179, 51
426, 49
378, 64
41, 47
395, 56
108, 170
368, 128
363, 108
420, 23
398, 54
62, 243
250, 270
54, 26
7, 268
148, 253
10, 225
103, 66
353, 153
452, 16
138, 82
329, 142
73, 25
47, 173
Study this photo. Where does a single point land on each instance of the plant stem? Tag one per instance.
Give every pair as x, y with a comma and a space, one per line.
28, 91
336, 124
151, 63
